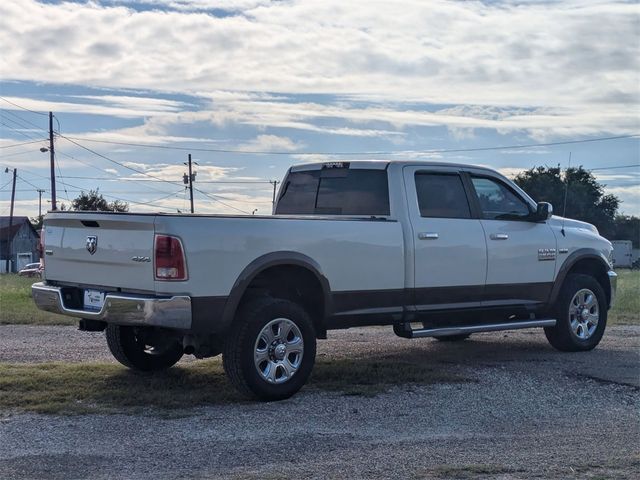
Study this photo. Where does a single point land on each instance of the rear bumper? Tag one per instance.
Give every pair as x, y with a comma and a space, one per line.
121, 309
613, 283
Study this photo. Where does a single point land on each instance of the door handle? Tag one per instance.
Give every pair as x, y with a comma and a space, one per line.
428, 236
499, 236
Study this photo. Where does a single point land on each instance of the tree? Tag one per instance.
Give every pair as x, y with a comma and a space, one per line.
37, 222
628, 228
94, 201
585, 197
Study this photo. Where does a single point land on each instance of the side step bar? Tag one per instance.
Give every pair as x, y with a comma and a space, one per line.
405, 330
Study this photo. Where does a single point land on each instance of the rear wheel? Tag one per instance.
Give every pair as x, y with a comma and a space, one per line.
270, 351
130, 346
580, 313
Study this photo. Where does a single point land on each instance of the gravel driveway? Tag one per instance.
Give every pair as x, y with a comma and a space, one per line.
528, 411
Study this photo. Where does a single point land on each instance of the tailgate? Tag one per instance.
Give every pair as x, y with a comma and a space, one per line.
111, 250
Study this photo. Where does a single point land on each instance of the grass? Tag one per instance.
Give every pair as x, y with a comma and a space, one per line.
626, 310
76, 388
17, 307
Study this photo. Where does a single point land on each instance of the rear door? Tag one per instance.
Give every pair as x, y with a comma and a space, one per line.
110, 250
450, 262
521, 252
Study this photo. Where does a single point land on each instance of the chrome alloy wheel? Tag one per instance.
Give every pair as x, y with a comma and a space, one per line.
278, 350
584, 313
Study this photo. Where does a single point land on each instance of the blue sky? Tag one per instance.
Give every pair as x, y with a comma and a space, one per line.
300, 77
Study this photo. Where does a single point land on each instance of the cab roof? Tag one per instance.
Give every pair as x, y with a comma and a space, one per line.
380, 165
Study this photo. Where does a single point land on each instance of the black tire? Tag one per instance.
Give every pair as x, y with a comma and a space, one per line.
241, 343
130, 350
562, 336
453, 338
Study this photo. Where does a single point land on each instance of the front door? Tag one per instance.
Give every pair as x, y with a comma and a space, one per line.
450, 254
521, 252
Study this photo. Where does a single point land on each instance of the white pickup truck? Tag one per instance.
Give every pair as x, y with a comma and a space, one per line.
433, 249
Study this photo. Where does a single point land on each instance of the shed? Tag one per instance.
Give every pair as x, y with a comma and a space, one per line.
20, 243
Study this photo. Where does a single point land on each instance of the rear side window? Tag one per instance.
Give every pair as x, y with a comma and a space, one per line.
299, 193
441, 196
335, 191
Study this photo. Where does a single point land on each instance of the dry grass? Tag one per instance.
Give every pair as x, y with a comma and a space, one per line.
110, 388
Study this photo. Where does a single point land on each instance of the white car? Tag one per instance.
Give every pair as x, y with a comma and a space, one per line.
31, 270
456, 249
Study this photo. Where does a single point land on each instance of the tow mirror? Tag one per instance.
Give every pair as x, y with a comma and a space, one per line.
544, 210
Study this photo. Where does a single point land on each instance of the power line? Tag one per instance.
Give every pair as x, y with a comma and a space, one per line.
17, 131
16, 154
615, 167
23, 143
23, 108
381, 152
211, 196
253, 182
27, 182
24, 120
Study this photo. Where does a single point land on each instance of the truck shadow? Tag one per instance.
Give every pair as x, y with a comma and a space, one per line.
365, 371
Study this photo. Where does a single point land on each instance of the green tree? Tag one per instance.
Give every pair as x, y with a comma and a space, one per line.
94, 201
628, 228
585, 197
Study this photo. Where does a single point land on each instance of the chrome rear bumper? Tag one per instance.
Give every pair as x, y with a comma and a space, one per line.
120, 308
613, 282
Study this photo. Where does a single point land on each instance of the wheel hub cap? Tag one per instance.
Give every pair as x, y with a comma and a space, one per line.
278, 350
584, 314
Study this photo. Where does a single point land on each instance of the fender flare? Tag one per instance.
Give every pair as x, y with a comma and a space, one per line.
570, 261
273, 259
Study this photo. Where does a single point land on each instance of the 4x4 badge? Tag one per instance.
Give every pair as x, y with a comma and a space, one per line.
92, 243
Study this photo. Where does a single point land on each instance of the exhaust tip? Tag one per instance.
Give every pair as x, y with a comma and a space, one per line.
189, 349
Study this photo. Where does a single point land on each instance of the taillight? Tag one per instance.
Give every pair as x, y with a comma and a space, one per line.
169, 258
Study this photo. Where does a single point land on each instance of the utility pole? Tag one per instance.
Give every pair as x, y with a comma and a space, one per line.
53, 170
9, 237
273, 200
191, 184
188, 180
40, 192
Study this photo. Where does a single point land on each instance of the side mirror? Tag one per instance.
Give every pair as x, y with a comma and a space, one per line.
544, 210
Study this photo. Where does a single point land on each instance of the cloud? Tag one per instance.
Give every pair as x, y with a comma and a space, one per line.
543, 66
271, 143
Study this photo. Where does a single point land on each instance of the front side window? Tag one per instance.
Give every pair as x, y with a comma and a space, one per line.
335, 191
441, 196
497, 201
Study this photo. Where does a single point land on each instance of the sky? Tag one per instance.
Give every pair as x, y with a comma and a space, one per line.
251, 87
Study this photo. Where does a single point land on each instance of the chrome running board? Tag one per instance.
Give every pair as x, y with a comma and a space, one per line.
405, 330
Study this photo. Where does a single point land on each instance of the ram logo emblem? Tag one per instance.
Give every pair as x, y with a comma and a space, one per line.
92, 244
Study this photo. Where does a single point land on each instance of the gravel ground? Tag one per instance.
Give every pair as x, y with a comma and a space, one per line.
529, 412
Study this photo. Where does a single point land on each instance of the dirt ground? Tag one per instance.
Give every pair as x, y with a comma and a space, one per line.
523, 411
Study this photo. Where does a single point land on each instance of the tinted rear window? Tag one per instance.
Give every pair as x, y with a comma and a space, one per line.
335, 191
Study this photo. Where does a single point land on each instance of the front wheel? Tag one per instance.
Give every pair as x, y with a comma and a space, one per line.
130, 347
581, 315
270, 351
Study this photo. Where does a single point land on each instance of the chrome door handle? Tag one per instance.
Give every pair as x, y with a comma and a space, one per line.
428, 236
499, 236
